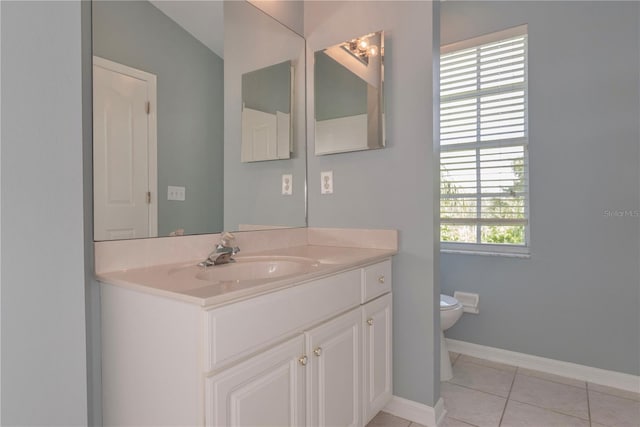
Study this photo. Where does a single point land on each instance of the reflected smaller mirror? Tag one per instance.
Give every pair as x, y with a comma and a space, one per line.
266, 113
349, 102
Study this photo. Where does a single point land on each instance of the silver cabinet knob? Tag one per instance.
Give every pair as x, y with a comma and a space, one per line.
303, 360
370, 322
381, 278
317, 351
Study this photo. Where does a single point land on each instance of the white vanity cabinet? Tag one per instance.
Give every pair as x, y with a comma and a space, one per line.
316, 353
334, 379
377, 355
313, 379
268, 389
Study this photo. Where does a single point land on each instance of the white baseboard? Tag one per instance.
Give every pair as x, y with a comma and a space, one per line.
416, 412
566, 369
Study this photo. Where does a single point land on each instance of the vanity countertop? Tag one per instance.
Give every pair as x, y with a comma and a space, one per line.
179, 281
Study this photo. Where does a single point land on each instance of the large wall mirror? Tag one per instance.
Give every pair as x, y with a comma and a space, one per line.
170, 81
349, 101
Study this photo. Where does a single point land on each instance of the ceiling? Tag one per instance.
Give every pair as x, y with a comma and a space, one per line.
202, 19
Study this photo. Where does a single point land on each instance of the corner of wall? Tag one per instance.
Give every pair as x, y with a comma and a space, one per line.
92, 297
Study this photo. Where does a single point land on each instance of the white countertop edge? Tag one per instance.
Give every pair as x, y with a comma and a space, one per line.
243, 294
113, 255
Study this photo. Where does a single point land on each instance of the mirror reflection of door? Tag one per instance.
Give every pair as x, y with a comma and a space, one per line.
265, 136
124, 134
266, 113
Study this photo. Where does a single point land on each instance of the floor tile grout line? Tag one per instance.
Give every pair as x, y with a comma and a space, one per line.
513, 380
555, 381
615, 395
409, 423
490, 367
455, 359
479, 391
487, 366
475, 389
517, 369
555, 411
464, 422
507, 399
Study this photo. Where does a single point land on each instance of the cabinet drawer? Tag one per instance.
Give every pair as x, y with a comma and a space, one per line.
376, 280
240, 329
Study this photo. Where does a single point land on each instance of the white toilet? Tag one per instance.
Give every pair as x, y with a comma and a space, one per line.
450, 313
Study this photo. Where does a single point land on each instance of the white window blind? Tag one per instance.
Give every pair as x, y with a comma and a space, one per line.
483, 143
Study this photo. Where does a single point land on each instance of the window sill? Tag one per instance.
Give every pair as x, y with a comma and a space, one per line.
486, 249
522, 255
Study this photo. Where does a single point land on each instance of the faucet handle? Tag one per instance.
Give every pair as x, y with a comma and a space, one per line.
227, 238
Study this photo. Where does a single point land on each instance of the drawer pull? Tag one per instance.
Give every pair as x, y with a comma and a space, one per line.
303, 360
317, 351
381, 278
370, 322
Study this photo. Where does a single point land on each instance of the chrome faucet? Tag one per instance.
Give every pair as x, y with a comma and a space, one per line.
222, 253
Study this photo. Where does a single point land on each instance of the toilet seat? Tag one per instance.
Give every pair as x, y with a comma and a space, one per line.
448, 303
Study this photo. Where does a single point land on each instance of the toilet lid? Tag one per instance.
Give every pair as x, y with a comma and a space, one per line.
447, 302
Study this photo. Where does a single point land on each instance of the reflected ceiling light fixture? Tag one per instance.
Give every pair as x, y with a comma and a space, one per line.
362, 48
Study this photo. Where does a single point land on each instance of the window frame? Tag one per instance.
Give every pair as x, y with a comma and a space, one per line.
479, 248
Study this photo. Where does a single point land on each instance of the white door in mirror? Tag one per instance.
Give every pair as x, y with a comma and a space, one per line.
265, 136
123, 134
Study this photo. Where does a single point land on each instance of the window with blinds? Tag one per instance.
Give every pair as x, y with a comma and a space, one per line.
483, 143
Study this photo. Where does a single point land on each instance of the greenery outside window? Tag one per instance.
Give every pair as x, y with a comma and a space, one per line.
484, 168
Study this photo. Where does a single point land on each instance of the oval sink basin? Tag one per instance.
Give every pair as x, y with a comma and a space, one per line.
252, 268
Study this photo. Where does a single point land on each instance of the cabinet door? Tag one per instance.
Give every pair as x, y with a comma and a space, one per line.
377, 349
266, 390
333, 382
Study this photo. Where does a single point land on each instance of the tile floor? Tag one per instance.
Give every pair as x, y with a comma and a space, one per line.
483, 393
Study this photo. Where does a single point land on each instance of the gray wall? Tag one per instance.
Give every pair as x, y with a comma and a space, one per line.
393, 187
190, 107
577, 298
253, 40
289, 13
44, 379
268, 89
338, 92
